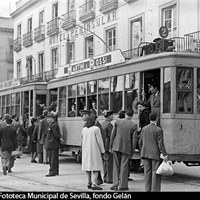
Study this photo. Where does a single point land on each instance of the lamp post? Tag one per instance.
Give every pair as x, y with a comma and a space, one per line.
59, 18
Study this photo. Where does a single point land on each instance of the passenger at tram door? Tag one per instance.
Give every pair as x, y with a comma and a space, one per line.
94, 107
154, 100
72, 112
108, 156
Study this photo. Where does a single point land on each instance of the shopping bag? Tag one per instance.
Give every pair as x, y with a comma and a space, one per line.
17, 152
165, 169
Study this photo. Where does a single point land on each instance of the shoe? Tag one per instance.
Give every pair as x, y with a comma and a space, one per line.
9, 171
141, 169
33, 161
126, 188
95, 187
114, 187
18, 157
49, 175
4, 170
130, 179
110, 182
89, 185
99, 182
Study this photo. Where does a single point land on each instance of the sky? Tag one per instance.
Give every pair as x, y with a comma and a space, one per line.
7, 7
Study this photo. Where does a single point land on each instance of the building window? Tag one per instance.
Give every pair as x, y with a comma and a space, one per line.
41, 64
29, 24
111, 39
10, 74
89, 47
55, 11
70, 5
19, 69
70, 52
169, 16
41, 18
55, 58
19, 30
30, 68
184, 77
136, 33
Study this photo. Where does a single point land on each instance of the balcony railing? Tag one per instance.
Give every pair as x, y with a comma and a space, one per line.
9, 56
39, 33
190, 38
28, 39
87, 11
17, 44
108, 5
53, 27
69, 20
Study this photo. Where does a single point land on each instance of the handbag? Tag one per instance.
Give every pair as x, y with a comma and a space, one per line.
17, 152
165, 169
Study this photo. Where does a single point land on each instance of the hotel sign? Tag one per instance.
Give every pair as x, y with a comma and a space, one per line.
105, 60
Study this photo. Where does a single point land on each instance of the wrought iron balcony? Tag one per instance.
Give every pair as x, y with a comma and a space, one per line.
69, 20
28, 39
17, 44
9, 56
39, 33
87, 11
108, 5
52, 27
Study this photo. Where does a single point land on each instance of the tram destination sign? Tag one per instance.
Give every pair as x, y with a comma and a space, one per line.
104, 60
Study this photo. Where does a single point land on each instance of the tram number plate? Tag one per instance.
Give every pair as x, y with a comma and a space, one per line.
102, 60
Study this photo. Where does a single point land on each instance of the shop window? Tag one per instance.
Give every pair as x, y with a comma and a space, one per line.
167, 91
116, 93
184, 90
131, 91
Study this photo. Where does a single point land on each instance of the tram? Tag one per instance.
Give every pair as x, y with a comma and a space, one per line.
116, 81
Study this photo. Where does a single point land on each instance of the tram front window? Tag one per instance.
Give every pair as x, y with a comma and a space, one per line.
184, 90
167, 91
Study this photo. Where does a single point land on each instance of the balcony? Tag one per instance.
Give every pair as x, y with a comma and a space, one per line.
107, 6
52, 27
69, 20
87, 11
39, 33
9, 56
17, 44
28, 39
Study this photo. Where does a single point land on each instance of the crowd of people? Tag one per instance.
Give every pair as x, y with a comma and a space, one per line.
106, 147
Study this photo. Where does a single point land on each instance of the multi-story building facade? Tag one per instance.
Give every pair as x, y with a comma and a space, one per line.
6, 48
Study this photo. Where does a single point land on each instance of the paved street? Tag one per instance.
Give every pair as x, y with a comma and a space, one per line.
27, 176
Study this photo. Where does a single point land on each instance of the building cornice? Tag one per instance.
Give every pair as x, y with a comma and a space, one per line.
24, 7
10, 30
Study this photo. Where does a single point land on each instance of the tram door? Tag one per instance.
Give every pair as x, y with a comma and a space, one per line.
148, 77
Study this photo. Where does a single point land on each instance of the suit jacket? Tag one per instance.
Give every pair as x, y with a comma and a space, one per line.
43, 127
154, 100
107, 129
124, 136
52, 137
151, 142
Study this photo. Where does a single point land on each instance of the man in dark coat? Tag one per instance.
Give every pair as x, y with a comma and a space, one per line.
152, 145
8, 144
52, 144
122, 143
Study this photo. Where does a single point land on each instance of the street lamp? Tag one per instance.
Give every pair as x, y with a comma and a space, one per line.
59, 18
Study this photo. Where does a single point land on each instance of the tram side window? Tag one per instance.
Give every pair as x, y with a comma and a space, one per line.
167, 91
184, 90
198, 91
53, 100
0, 107
116, 93
40, 104
8, 103
17, 108
103, 89
62, 101
131, 91
13, 102
3, 105
81, 97
92, 96
71, 100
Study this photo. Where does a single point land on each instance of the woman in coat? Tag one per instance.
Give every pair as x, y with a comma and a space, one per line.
92, 150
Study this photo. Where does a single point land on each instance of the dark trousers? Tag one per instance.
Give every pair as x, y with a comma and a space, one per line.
53, 161
120, 169
108, 167
152, 180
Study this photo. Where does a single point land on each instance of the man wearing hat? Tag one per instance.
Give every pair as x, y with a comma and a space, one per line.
108, 157
3, 122
52, 144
